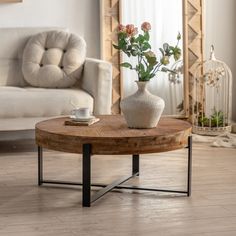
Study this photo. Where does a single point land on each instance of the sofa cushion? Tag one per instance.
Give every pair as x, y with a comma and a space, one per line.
12, 44
53, 59
39, 102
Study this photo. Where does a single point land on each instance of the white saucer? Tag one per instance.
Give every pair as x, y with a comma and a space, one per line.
82, 119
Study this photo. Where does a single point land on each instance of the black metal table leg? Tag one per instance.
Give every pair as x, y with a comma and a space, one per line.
40, 165
86, 175
135, 165
86, 183
189, 166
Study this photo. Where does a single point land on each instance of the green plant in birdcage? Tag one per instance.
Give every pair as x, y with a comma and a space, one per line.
215, 120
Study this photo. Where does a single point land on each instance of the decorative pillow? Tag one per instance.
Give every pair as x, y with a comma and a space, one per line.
53, 59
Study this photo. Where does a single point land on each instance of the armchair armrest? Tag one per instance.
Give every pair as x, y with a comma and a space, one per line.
97, 81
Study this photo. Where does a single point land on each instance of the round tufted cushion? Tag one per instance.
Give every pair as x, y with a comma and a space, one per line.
53, 59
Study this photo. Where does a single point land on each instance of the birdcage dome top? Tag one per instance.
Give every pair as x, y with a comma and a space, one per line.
212, 71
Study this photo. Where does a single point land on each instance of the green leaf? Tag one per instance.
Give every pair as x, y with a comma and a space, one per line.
151, 76
152, 61
122, 35
146, 36
126, 65
140, 39
116, 47
162, 52
166, 47
129, 47
134, 53
177, 56
146, 46
127, 53
150, 68
141, 68
151, 58
135, 46
132, 40
165, 69
122, 44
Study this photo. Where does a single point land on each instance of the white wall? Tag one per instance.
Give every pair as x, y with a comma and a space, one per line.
80, 16
221, 32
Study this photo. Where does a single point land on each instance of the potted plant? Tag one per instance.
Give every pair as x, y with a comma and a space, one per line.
143, 109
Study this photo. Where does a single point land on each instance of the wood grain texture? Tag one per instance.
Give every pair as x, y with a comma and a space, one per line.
109, 20
112, 136
195, 45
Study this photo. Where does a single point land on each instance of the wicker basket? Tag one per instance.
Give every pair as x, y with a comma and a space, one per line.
211, 131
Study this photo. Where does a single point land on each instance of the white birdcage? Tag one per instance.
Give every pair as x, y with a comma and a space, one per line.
212, 97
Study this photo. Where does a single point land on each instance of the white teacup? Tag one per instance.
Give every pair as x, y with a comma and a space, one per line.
82, 112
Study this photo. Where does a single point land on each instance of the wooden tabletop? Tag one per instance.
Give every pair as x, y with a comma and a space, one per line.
112, 136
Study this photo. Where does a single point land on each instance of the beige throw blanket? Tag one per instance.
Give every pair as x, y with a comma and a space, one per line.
227, 140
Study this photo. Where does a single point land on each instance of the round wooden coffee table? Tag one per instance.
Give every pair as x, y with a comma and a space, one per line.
111, 136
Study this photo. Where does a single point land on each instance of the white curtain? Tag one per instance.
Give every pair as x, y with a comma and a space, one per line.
165, 17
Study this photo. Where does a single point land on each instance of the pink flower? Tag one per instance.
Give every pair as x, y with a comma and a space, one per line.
121, 28
146, 26
131, 30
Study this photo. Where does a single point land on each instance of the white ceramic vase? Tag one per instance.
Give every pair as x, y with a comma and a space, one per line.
142, 110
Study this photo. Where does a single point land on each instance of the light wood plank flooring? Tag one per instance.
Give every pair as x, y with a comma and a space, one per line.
29, 210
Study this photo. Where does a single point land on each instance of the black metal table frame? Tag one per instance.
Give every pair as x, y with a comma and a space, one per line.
86, 172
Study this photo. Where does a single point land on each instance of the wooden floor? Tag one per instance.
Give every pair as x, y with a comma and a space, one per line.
28, 210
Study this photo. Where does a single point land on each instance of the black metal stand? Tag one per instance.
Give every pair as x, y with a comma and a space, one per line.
88, 199
40, 166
